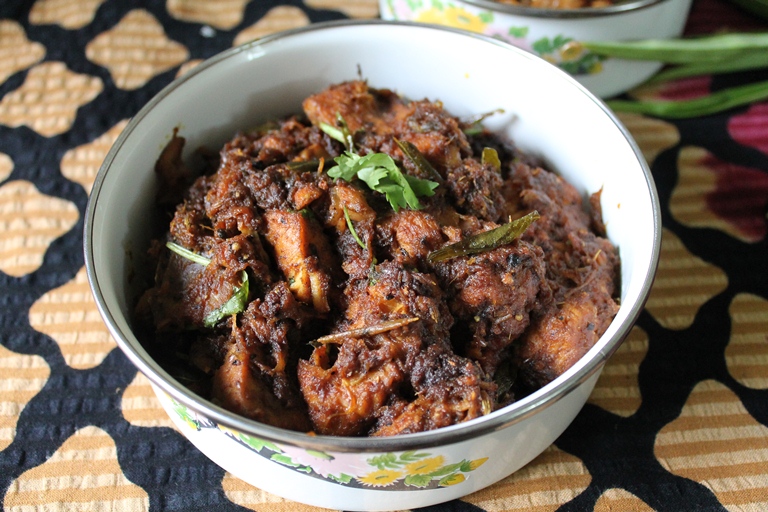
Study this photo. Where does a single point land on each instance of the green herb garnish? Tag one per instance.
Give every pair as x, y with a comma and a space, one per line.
352, 229
491, 157
236, 304
380, 172
340, 133
485, 241
475, 126
418, 159
187, 254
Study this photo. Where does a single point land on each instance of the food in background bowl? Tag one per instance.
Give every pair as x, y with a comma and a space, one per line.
546, 113
558, 4
556, 34
433, 273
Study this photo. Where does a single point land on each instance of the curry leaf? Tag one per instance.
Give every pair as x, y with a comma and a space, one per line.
491, 157
418, 159
187, 254
485, 241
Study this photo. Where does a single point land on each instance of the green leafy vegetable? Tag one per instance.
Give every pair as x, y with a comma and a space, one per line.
694, 56
485, 241
718, 47
710, 104
236, 304
352, 229
187, 254
380, 172
744, 62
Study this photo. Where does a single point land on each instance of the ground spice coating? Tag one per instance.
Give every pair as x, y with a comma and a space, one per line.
341, 325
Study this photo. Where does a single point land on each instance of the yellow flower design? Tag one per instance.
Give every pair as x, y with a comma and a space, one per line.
227, 430
473, 465
452, 17
453, 479
422, 467
380, 478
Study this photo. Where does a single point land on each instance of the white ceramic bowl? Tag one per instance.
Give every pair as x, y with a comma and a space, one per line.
554, 34
547, 113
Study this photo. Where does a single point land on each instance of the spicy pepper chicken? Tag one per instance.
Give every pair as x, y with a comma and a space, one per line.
374, 266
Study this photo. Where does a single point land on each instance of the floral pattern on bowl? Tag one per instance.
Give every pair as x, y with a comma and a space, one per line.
561, 50
410, 470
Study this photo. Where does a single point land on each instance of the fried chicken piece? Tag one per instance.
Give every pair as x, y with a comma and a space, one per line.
356, 261
494, 295
240, 387
408, 236
257, 376
434, 132
303, 254
565, 333
476, 189
582, 270
448, 389
379, 384
187, 292
354, 101
343, 398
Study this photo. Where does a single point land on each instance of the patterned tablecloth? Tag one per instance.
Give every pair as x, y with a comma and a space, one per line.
678, 420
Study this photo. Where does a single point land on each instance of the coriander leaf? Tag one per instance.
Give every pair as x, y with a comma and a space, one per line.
395, 195
372, 176
381, 173
425, 188
236, 304
346, 168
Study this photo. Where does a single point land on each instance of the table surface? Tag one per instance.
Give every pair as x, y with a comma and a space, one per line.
678, 420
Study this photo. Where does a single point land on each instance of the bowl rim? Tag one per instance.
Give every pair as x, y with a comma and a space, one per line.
498, 420
623, 7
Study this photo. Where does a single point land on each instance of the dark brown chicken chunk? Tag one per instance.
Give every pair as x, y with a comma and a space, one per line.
309, 303
582, 270
402, 380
